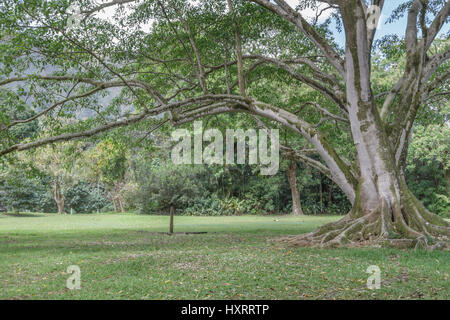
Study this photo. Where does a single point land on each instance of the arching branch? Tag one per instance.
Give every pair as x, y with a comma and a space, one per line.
437, 24
285, 11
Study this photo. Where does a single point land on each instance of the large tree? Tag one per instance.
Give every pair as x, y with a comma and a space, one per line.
58, 162
204, 58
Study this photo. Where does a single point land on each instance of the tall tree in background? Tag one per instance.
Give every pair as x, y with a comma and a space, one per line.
207, 58
58, 162
292, 178
110, 166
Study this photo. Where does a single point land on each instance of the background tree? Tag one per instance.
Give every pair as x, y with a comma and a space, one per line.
58, 161
24, 189
172, 187
110, 166
292, 178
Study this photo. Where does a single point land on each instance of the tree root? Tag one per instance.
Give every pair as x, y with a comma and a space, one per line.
403, 226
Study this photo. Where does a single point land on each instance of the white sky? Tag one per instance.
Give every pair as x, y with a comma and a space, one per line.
309, 14
396, 27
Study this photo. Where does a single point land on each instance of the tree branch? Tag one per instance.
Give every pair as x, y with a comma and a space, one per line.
286, 12
437, 24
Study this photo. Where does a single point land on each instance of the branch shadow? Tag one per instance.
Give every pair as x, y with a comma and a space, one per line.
21, 215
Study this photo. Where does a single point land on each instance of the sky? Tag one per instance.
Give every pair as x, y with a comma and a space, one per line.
397, 27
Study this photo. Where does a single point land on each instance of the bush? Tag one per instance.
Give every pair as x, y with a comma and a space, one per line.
87, 197
20, 192
25, 191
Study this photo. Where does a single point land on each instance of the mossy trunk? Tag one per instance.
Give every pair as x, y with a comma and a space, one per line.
385, 213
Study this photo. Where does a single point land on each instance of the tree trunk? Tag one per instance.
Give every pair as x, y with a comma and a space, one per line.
122, 206
320, 193
58, 196
117, 198
115, 205
292, 178
385, 212
172, 211
330, 194
60, 207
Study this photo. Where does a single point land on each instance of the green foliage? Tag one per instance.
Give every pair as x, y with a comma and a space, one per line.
12, 108
86, 197
230, 190
214, 206
428, 167
22, 191
111, 160
26, 189
166, 185
32, 33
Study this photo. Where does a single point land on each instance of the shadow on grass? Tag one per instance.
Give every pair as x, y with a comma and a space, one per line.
22, 215
109, 242
171, 234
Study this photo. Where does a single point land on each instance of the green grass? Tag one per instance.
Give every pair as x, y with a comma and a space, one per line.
121, 257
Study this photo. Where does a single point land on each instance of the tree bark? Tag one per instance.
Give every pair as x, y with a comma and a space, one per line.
172, 211
60, 207
121, 204
292, 178
58, 196
115, 205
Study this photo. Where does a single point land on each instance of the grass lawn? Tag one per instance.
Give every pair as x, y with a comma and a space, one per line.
121, 257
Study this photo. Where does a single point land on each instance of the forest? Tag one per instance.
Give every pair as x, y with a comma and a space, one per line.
115, 174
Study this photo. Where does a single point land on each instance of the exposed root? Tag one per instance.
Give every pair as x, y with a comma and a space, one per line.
403, 226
